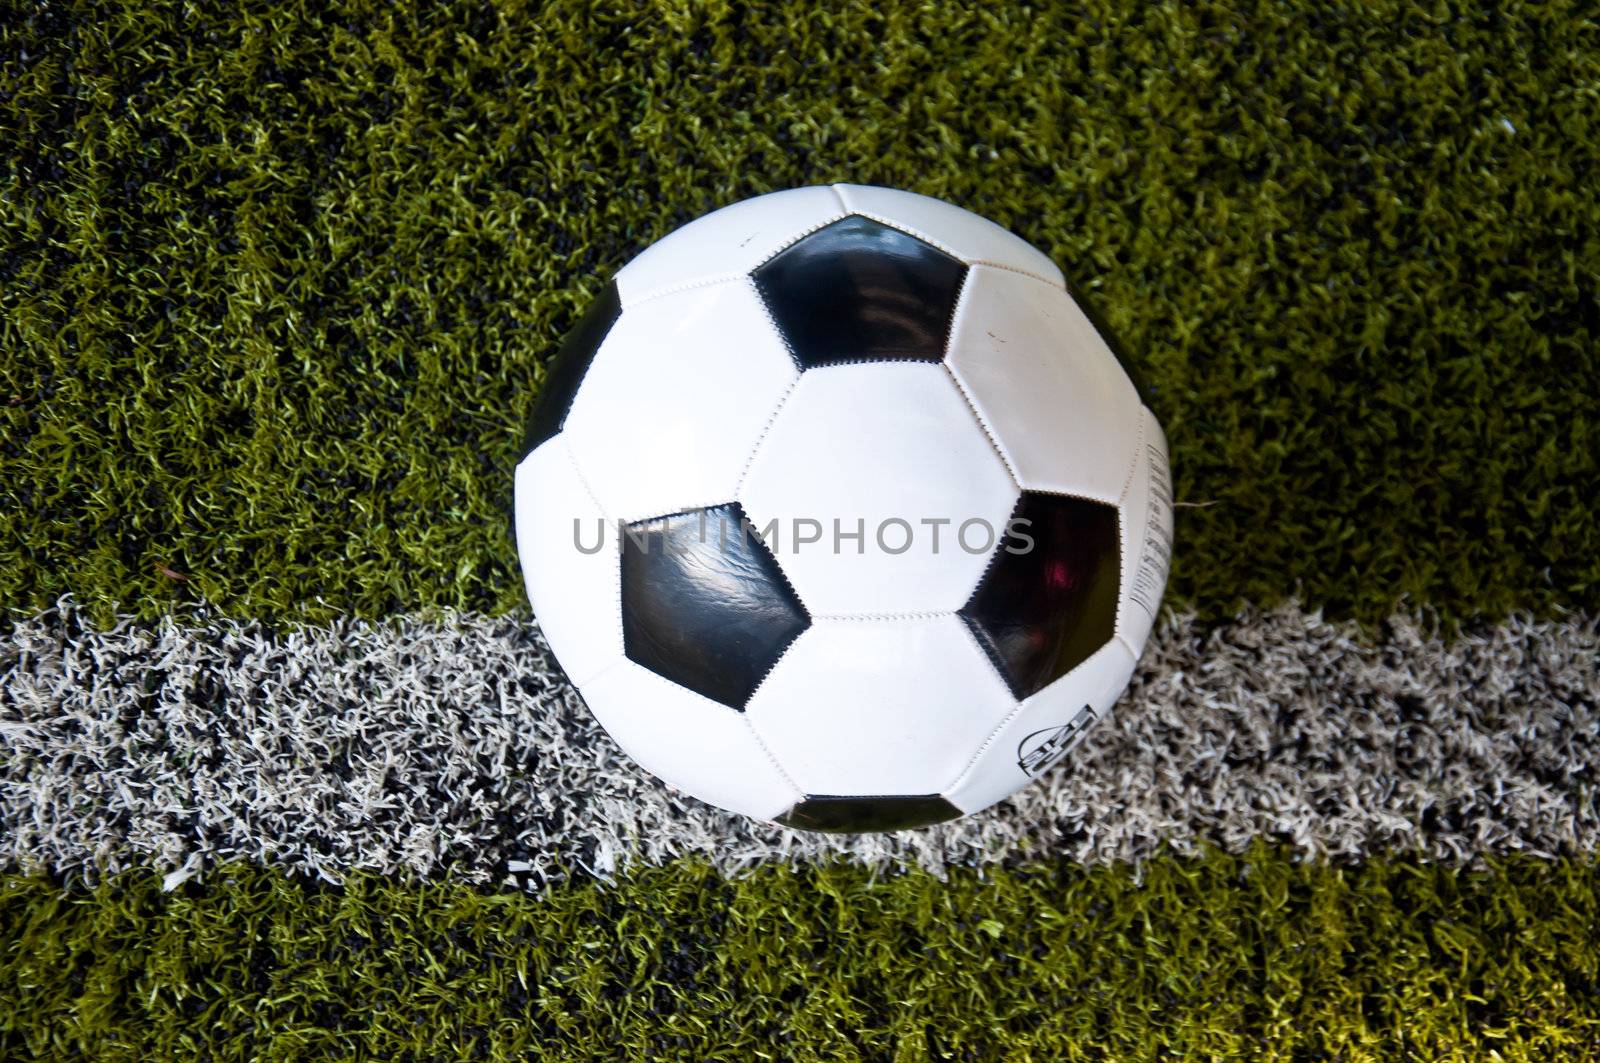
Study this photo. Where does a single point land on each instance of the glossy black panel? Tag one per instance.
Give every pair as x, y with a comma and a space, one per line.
860, 815
566, 370
1118, 349
1042, 609
704, 603
858, 289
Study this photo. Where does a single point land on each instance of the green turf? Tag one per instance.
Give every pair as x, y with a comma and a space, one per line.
1253, 956
276, 285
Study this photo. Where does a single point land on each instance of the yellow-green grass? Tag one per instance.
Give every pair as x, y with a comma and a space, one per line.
277, 286
1254, 956
277, 280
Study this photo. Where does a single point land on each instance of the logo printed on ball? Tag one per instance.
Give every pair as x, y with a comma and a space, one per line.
1042, 748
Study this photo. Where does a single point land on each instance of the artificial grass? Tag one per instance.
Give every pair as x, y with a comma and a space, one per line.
277, 281
1253, 956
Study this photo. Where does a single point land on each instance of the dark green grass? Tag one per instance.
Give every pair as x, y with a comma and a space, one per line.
276, 281
1250, 956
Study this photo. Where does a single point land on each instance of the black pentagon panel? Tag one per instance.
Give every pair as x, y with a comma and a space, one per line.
704, 603
566, 370
861, 290
860, 815
1049, 598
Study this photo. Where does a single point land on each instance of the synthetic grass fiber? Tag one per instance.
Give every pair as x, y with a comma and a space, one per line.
455, 749
277, 280
278, 284
1253, 956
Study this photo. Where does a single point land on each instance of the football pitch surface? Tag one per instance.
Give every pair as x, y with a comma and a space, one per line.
286, 771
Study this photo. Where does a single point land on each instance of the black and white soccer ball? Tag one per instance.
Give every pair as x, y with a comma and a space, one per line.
840, 512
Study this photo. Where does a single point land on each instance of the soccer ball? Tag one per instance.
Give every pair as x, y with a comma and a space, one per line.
839, 511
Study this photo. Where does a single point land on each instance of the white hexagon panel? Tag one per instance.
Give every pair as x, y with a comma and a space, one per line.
884, 467
877, 707
679, 392
1046, 384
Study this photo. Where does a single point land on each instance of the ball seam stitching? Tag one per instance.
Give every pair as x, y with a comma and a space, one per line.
1051, 281
983, 426
766, 430
994, 733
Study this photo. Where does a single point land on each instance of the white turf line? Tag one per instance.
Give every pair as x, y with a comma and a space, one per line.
450, 748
